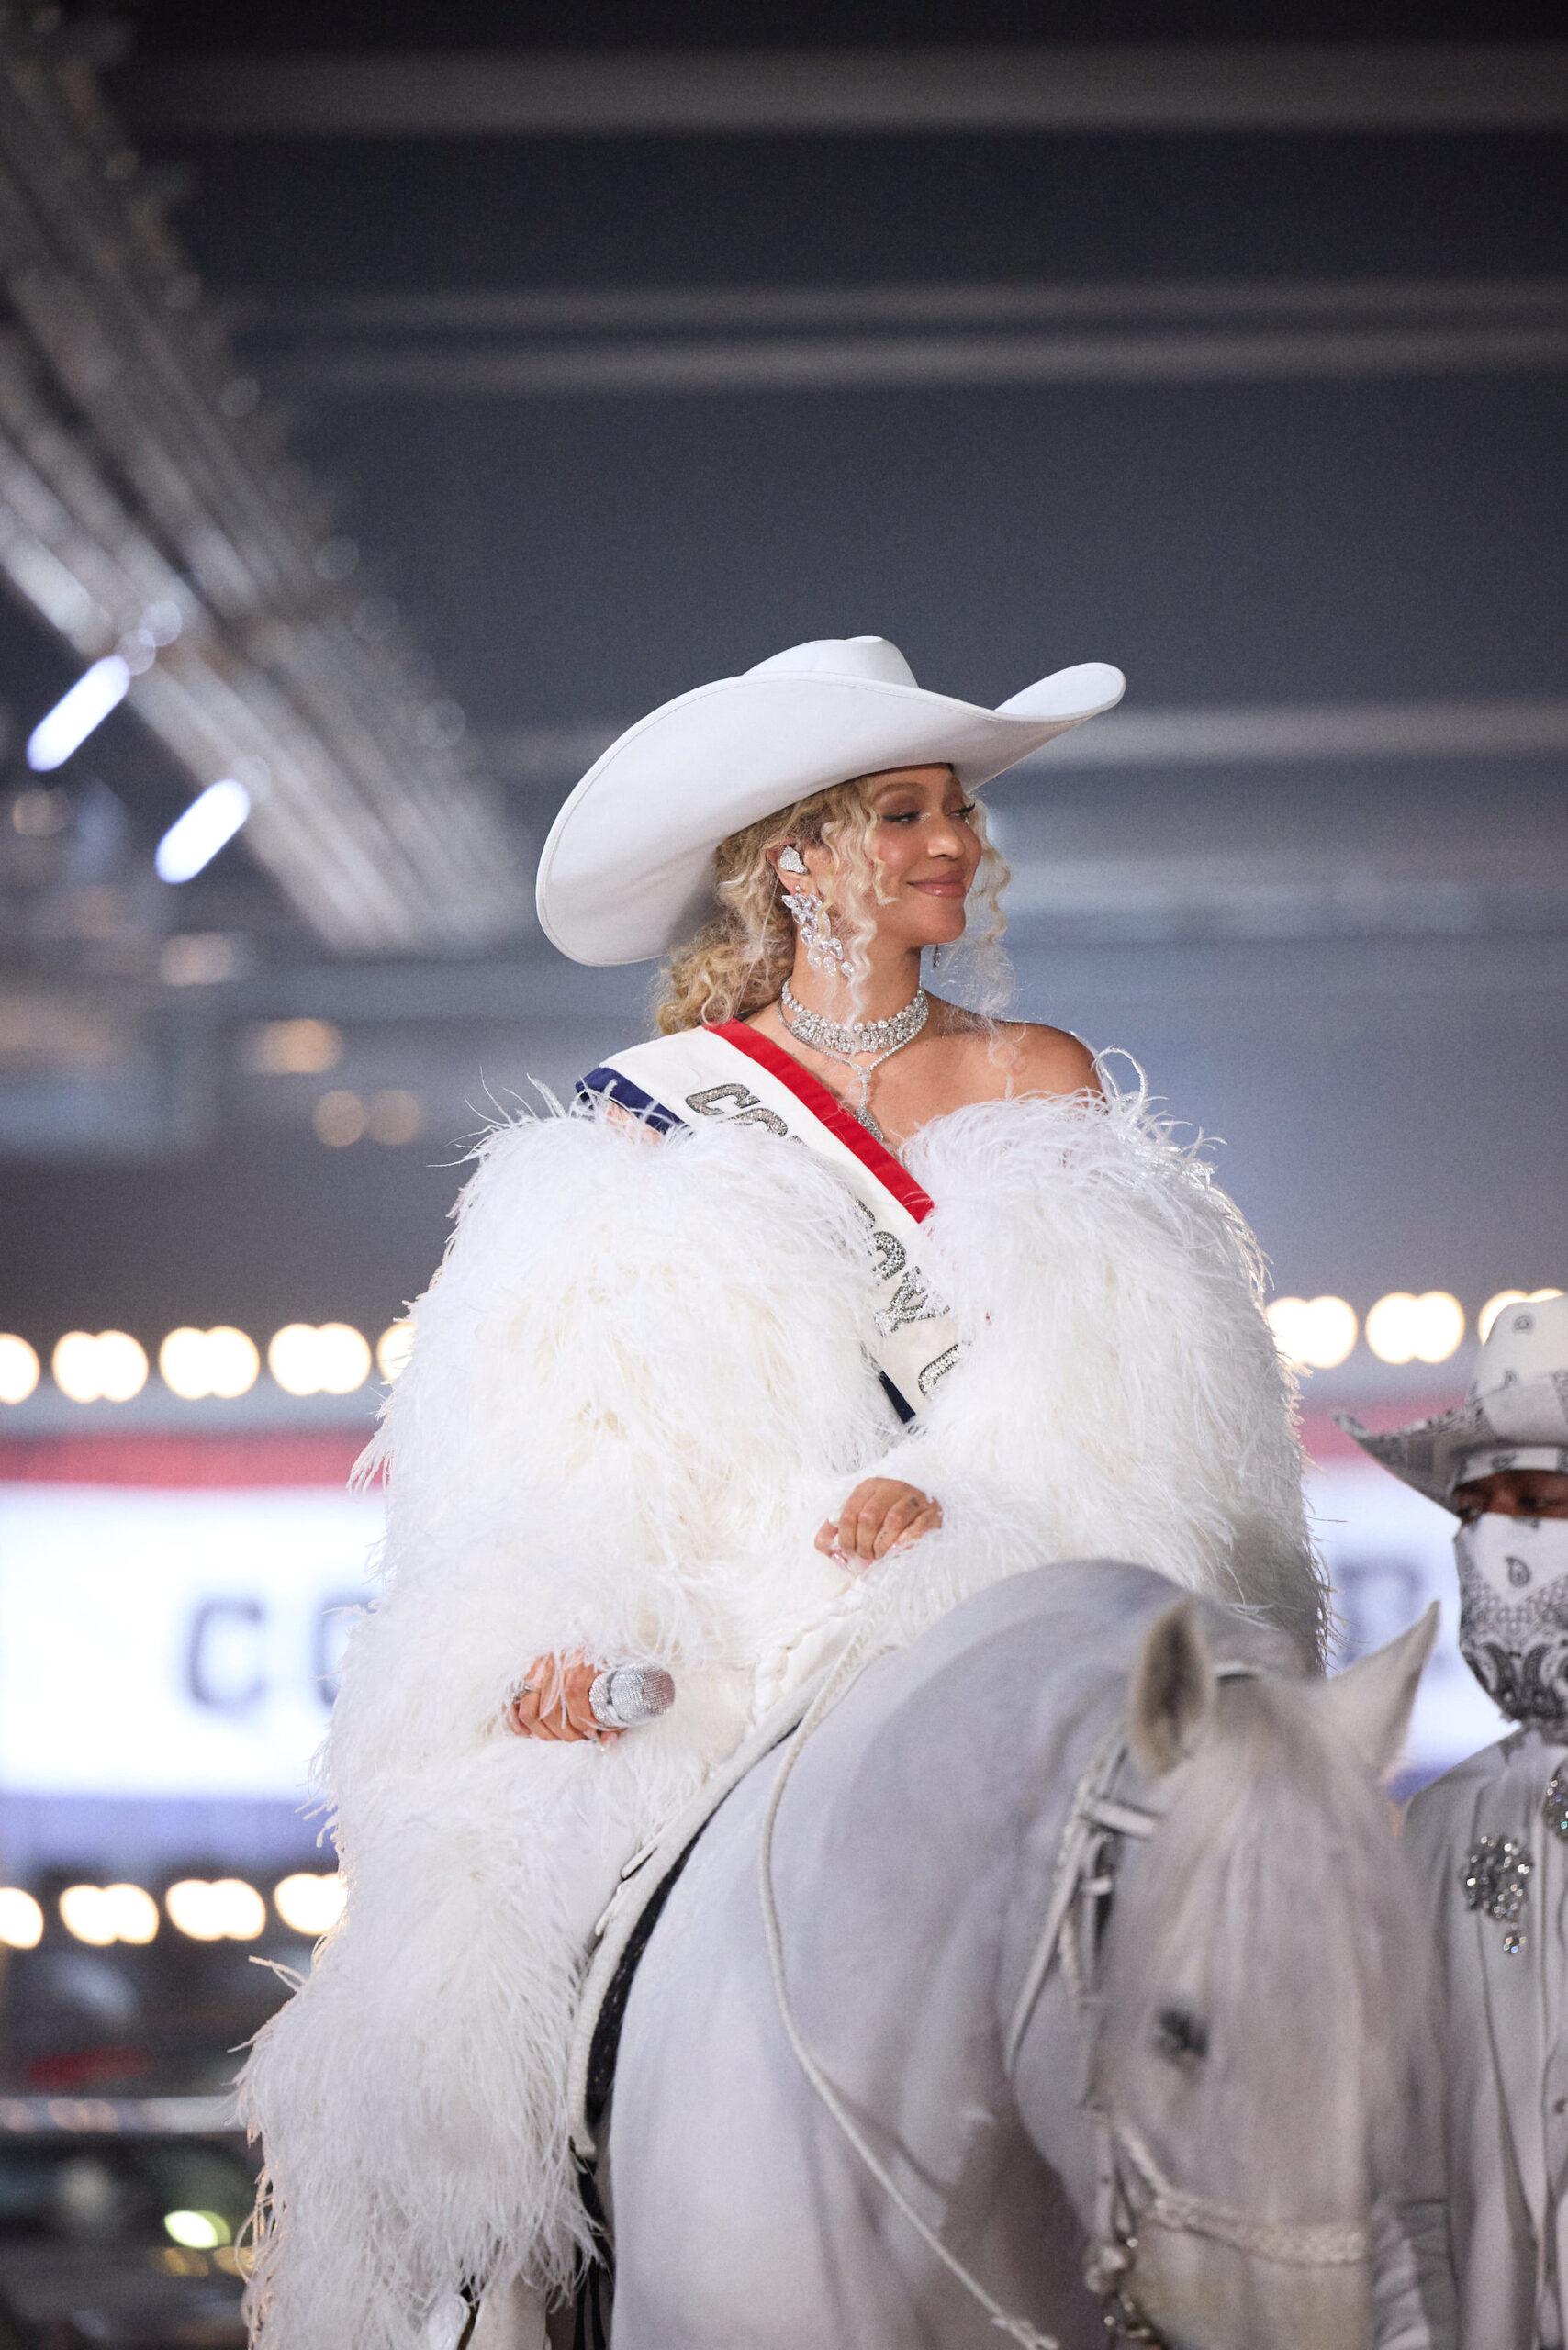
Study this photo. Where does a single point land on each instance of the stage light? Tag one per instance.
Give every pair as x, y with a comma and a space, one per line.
1315, 1333
132, 1913
309, 1903
67, 726
343, 1358
339, 1119
333, 1359
109, 1368
102, 1914
1489, 1312
1391, 1327
189, 1909
294, 1047
1402, 1328
196, 1363
291, 1358
18, 1368
182, 1363
226, 1910
82, 1913
394, 1118
193, 839
21, 1919
233, 1361
393, 1348
196, 2231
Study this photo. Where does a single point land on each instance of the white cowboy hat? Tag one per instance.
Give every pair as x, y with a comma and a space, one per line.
1515, 1416
627, 869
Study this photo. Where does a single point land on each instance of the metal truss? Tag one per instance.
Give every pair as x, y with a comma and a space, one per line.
141, 468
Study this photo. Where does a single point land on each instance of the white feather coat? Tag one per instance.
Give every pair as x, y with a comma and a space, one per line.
639, 1380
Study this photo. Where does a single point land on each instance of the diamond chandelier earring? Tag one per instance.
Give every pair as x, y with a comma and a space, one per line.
811, 917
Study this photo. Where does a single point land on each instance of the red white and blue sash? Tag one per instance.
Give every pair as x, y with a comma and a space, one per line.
730, 1072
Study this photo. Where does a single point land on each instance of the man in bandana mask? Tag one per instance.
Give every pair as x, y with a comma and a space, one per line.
1490, 1840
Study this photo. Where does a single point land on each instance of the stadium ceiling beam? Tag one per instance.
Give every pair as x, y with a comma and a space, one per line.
543, 758
501, 344
139, 468
1165, 87
671, 309
506, 345
928, 362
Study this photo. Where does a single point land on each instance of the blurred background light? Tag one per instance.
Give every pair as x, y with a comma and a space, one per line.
294, 1047
200, 959
67, 726
193, 839
21, 1919
223, 1909
102, 1914
109, 1366
39, 815
197, 2230
339, 1119
1402, 1328
393, 1348
310, 1902
132, 1912
82, 1913
162, 622
1494, 1306
18, 1368
394, 1118
220, 1362
328, 1360
1314, 1333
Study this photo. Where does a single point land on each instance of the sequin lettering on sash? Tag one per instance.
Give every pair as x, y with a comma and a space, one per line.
715, 1101
911, 1300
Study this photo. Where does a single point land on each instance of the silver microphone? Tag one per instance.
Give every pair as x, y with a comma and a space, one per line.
624, 1695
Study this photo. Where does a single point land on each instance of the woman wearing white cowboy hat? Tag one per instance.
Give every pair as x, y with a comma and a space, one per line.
677, 1390
1490, 1838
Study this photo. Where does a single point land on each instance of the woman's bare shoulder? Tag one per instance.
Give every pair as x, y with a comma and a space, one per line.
1050, 1060
1026, 1056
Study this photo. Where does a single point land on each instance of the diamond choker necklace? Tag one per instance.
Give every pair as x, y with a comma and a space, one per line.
848, 1040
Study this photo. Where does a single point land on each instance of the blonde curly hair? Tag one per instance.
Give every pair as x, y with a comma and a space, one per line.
740, 959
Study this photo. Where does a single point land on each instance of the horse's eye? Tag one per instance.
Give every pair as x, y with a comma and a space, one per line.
1181, 2035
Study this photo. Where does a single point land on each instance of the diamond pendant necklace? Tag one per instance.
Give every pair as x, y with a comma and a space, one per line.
844, 1040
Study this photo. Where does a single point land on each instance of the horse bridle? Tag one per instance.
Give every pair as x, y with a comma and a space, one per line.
1083, 1886
1081, 1892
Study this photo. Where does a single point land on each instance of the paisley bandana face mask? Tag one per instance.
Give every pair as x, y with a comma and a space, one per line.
1513, 1619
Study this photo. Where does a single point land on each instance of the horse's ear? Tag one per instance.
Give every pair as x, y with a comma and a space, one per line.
1370, 1701
1172, 1698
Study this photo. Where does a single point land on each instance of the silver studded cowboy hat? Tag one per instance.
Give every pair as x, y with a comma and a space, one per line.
627, 871
1515, 1416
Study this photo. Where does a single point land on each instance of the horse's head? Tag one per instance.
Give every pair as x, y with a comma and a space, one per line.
1264, 1989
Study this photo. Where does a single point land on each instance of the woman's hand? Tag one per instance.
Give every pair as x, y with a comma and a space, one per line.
882, 1514
572, 1718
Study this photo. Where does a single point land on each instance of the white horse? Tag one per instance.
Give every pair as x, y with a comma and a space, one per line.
1093, 1921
